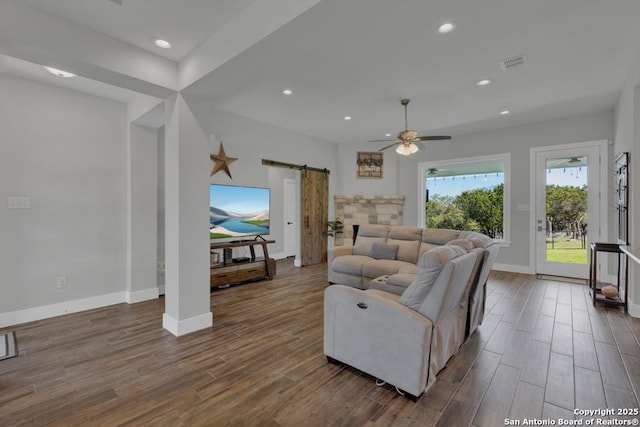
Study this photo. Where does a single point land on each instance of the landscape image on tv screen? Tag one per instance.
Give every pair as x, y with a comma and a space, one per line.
236, 211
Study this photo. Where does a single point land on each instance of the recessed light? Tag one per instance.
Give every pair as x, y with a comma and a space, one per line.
483, 82
505, 112
347, 117
59, 73
287, 92
387, 134
447, 27
161, 43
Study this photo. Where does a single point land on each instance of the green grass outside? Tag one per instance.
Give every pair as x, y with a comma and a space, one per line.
566, 251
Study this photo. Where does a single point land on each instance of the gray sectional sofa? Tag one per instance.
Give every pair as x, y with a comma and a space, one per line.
385, 257
403, 300
401, 340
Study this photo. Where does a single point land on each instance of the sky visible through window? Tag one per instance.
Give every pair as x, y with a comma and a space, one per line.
453, 186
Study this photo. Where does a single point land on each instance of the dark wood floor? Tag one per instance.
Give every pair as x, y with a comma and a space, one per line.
542, 351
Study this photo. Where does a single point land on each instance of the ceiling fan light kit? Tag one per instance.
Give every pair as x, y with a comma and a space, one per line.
407, 149
406, 141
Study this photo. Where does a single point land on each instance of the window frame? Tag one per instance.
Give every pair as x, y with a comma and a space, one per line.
423, 168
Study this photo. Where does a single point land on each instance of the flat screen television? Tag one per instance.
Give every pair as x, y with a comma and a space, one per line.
237, 211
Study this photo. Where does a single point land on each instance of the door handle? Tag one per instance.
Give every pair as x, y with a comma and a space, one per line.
289, 223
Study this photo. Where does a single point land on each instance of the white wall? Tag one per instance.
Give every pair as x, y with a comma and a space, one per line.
627, 138
351, 184
142, 214
161, 201
67, 152
515, 140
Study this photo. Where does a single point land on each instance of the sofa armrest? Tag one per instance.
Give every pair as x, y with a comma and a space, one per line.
336, 251
487, 264
378, 335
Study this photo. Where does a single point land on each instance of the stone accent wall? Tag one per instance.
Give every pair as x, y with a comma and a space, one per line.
363, 209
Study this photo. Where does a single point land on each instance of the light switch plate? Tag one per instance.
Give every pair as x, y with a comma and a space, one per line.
19, 202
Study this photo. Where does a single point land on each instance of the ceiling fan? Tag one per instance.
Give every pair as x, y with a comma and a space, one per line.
406, 142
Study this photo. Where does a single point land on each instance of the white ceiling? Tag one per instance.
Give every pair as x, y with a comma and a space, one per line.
185, 23
360, 57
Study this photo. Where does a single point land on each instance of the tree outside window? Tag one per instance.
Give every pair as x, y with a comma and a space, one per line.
467, 194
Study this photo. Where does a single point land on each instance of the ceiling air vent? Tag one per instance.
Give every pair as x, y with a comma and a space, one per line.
513, 62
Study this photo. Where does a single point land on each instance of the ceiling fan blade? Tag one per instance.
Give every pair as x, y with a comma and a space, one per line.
389, 146
432, 138
381, 140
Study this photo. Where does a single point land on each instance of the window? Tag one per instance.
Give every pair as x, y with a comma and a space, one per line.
467, 194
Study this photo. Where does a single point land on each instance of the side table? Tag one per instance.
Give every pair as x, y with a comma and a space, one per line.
595, 286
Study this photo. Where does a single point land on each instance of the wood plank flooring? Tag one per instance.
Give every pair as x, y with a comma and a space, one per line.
542, 350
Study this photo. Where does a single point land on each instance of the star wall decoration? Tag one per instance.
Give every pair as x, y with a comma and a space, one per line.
222, 161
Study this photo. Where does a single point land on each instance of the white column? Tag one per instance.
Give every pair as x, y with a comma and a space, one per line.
187, 278
142, 199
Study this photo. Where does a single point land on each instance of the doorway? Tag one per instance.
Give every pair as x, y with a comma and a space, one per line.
311, 212
568, 212
290, 218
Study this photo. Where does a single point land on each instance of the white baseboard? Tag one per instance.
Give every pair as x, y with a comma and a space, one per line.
633, 309
183, 327
143, 295
43, 312
512, 268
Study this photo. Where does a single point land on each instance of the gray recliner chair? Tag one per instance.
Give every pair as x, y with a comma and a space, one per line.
402, 340
478, 290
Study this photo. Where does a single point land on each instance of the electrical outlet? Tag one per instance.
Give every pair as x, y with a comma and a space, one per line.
61, 282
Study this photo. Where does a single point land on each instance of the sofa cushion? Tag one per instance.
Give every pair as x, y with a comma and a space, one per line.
350, 264
408, 250
402, 279
463, 243
380, 267
364, 245
403, 232
368, 234
373, 230
429, 267
477, 243
439, 236
408, 240
479, 240
408, 268
395, 284
380, 251
424, 247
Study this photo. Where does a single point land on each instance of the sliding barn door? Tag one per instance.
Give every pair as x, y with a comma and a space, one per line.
315, 202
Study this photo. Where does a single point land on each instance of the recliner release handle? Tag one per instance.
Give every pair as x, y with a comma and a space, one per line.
362, 305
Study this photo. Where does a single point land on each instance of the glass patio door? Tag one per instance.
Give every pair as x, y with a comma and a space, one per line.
567, 217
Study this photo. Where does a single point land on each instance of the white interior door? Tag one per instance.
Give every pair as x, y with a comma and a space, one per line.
567, 209
290, 218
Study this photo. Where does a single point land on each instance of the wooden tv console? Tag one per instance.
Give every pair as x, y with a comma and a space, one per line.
232, 272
